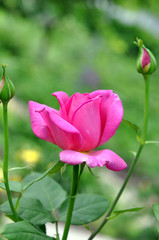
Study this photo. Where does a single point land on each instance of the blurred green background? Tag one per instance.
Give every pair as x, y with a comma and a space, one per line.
81, 46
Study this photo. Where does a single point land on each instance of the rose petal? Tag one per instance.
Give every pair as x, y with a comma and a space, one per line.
38, 125
111, 114
87, 120
145, 58
75, 102
72, 157
94, 159
113, 109
62, 98
103, 93
65, 135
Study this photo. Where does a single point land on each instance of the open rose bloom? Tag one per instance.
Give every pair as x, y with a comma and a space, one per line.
84, 122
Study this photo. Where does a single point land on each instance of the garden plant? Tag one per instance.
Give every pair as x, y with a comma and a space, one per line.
83, 122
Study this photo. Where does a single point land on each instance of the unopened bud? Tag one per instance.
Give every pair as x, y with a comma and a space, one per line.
146, 62
7, 90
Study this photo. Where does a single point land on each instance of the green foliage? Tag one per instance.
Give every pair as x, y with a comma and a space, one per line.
49, 192
22, 230
55, 168
39, 202
6, 208
29, 209
135, 128
128, 210
37, 177
116, 213
88, 208
33, 211
13, 185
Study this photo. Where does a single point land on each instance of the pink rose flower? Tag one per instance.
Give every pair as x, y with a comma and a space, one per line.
84, 122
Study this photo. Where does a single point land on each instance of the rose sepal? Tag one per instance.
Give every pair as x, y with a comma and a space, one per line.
7, 89
146, 62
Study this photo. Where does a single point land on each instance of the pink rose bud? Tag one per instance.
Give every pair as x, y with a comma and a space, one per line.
7, 90
146, 62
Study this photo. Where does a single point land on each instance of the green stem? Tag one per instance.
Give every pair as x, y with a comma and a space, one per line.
146, 108
5, 163
145, 124
57, 233
71, 201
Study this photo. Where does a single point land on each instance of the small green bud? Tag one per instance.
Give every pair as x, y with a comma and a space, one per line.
146, 62
7, 90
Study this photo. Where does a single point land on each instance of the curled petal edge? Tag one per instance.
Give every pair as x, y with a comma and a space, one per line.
38, 125
62, 98
93, 159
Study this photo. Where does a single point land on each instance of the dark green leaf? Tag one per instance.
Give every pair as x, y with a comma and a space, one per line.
5, 207
88, 208
13, 185
32, 210
155, 208
49, 192
42, 228
22, 231
29, 209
